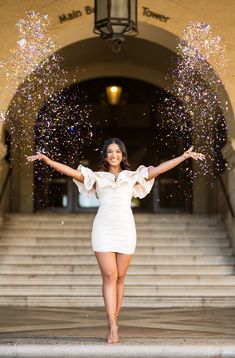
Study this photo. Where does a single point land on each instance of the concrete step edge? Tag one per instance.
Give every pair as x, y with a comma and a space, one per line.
38, 250
88, 287
148, 302
158, 350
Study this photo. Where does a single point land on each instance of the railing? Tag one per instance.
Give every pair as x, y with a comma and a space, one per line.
5, 183
226, 197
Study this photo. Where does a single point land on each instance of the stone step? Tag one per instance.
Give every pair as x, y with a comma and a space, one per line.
133, 269
87, 225
140, 250
176, 229
145, 261
161, 280
141, 217
63, 241
88, 301
79, 233
137, 291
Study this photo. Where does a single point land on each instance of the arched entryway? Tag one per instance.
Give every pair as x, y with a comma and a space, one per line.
72, 126
95, 62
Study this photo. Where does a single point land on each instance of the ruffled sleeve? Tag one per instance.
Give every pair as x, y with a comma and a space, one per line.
142, 187
89, 180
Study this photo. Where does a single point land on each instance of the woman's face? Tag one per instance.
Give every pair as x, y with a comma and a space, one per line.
114, 155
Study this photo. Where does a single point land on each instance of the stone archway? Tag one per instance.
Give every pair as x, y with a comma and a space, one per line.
94, 59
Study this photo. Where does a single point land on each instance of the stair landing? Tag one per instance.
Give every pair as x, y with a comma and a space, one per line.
76, 332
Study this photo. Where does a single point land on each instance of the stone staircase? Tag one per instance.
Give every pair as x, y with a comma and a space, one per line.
180, 261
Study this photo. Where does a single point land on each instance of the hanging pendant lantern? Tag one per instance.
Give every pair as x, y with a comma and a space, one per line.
114, 19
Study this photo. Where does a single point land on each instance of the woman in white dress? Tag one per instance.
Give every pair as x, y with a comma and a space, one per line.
113, 231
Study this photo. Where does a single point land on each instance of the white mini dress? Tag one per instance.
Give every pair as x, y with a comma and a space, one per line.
113, 228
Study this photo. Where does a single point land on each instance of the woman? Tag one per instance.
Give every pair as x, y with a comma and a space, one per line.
113, 232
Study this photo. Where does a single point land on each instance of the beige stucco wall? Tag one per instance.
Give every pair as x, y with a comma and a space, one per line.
73, 39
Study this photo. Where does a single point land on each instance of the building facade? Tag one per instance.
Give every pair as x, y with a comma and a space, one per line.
88, 63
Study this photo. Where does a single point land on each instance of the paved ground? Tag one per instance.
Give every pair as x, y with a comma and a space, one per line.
176, 332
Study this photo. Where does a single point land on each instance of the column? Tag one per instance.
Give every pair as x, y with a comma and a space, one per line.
22, 188
3, 169
229, 154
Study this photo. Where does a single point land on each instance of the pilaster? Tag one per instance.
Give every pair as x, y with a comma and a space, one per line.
229, 154
2, 168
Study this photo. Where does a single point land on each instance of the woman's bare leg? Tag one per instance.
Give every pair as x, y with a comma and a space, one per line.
108, 268
123, 261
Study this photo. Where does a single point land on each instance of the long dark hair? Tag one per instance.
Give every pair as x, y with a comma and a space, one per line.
104, 165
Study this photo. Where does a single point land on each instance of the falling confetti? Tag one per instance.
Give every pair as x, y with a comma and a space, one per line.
37, 70
32, 47
194, 111
35, 77
64, 117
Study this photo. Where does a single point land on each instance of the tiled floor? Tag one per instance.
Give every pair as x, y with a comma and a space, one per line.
89, 324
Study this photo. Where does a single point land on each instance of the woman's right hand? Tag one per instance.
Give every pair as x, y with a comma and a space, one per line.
37, 156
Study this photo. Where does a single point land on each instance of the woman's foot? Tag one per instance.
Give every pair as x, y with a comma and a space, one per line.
112, 336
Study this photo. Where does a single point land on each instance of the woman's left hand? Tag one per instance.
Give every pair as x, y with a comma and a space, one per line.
194, 155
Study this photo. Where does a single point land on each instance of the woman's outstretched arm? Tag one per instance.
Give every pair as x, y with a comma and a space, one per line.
62, 168
164, 167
